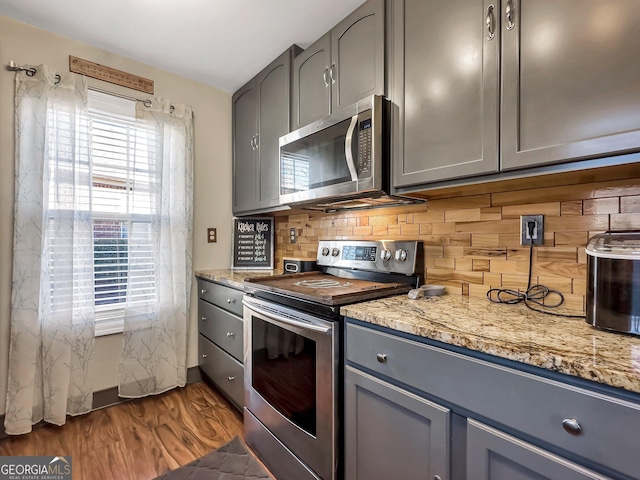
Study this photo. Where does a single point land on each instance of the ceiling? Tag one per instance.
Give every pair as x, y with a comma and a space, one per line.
222, 43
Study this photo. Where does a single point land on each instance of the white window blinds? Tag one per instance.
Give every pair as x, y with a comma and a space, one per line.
122, 208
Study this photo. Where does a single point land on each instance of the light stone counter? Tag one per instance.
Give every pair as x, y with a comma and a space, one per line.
234, 278
565, 345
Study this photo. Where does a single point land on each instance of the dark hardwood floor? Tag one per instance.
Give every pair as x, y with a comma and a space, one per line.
140, 439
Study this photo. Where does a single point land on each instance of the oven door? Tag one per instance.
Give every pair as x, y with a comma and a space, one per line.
291, 374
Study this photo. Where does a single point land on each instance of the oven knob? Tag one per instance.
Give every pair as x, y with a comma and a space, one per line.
401, 255
385, 254
325, 251
335, 252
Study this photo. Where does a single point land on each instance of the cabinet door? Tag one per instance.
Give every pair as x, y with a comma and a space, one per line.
571, 80
357, 55
311, 83
391, 433
445, 82
273, 85
245, 127
494, 455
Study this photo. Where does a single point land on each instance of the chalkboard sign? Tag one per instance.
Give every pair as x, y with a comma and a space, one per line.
252, 243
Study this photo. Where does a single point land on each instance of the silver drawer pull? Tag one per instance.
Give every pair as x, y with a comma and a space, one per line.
203, 318
231, 379
204, 355
437, 477
203, 291
231, 300
571, 426
230, 334
381, 357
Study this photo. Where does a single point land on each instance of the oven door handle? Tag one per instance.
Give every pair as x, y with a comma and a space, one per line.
286, 320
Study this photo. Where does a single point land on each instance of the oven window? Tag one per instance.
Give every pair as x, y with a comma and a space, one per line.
284, 372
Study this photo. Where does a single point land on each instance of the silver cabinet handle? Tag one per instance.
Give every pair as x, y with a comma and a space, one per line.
230, 334
231, 379
204, 355
491, 28
510, 13
571, 426
203, 291
437, 477
324, 77
381, 357
203, 318
257, 141
231, 300
253, 143
331, 71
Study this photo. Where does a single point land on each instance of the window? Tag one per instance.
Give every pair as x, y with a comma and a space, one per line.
122, 155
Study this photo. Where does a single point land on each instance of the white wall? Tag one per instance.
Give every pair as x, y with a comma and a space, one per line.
212, 192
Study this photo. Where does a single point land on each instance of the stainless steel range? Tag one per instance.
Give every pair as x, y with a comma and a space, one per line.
293, 350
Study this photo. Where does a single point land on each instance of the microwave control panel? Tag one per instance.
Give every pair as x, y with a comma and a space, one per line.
365, 141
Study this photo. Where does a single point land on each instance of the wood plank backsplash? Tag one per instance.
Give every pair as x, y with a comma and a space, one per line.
472, 242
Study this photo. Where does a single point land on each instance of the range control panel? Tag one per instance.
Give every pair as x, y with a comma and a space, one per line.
388, 256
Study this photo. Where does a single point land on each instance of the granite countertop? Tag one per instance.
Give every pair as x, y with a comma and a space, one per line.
565, 345
234, 278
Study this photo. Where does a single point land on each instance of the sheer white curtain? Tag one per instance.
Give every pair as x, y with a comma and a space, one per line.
53, 299
52, 329
157, 311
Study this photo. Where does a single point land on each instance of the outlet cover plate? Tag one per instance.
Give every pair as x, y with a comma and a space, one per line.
538, 233
212, 235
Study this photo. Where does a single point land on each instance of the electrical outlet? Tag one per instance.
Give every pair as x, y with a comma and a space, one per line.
212, 235
538, 230
293, 235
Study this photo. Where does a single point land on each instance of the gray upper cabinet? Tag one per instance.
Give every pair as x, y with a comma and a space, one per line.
445, 82
483, 86
342, 67
245, 127
311, 83
261, 115
571, 80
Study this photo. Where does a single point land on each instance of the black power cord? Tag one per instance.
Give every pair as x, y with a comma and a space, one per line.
534, 294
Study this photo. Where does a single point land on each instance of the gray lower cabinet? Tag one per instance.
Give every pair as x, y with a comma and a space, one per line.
392, 433
494, 455
261, 115
220, 338
342, 67
446, 85
505, 423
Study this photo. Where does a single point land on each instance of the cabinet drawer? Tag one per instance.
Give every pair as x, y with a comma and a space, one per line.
222, 328
224, 297
520, 401
223, 370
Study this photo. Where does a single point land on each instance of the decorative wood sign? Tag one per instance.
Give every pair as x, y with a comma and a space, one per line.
111, 75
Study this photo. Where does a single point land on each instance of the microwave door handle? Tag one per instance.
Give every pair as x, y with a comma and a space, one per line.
286, 320
348, 152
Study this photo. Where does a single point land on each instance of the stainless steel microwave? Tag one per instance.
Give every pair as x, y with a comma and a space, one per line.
342, 157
